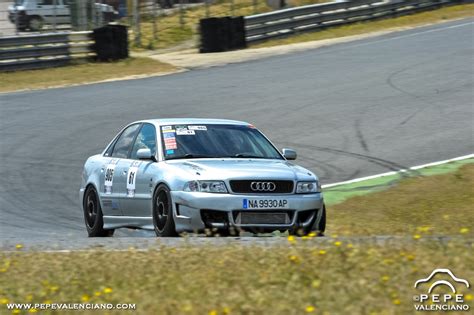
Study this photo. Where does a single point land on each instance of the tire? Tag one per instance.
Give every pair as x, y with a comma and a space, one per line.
162, 213
93, 216
319, 229
35, 23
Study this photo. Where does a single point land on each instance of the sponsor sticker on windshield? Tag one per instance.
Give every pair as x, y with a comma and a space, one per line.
197, 128
185, 132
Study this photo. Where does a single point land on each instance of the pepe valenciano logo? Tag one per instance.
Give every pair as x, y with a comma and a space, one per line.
440, 295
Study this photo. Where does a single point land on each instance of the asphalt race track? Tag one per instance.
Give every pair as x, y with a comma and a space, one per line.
350, 110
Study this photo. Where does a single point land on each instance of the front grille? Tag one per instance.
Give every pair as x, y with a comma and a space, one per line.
244, 186
262, 217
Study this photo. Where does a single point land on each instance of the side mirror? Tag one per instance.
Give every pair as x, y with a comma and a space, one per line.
289, 154
145, 154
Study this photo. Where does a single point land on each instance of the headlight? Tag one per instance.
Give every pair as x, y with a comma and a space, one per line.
308, 187
206, 186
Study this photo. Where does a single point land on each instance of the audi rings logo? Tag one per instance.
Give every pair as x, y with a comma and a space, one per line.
262, 186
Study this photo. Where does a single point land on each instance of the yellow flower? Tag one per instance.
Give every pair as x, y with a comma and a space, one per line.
47, 302
226, 310
464, 230
423, 229
309, 309
85, 298
187, 308
312, 234
3, 301
468, 297
396, 302
213, 312
18, 246
291, 239
334, 236
338, 243
3, 270
97, 293
17, 311
32, 310
350, 245
417, 236
107, 290
29, 297
322, 252
411, 257
294, 258
316, 283
446, 216
54, 288
385, 278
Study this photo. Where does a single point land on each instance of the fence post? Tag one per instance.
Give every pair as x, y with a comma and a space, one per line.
206, 4
232, 8
55, 14
155, 10
181, 13
136, 22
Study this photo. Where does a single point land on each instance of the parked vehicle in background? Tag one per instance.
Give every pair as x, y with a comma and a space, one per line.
33, 15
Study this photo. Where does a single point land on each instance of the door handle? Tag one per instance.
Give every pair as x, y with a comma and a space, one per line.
124, 172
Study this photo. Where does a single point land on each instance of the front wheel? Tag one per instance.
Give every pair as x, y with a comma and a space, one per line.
35, 23
93, 216
163, 221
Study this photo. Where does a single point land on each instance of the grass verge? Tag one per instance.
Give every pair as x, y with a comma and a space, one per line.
438, 204
296, 278
299, 275
447, 13
81, 73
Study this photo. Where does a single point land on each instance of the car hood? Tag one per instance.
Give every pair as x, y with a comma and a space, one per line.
241, 169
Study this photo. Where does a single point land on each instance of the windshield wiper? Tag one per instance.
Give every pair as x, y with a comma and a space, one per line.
190, 156
249, 156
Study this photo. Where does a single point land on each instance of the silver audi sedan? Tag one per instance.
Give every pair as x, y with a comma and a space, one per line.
198, 175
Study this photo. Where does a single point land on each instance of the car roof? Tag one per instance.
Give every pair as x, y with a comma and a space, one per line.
193, 121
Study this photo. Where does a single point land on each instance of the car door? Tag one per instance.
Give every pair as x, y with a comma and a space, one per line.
140, 174
113, 178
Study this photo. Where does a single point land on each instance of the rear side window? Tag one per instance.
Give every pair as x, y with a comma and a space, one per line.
124, 142
146, 139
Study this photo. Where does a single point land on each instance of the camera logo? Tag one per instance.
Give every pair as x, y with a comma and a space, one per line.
451, 301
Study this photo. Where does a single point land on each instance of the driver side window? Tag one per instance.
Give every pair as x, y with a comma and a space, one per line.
124, 142
146, 139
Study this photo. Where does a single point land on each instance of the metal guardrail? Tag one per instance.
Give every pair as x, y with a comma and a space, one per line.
286, 22
44, 50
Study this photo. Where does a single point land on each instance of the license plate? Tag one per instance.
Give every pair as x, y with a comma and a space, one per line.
265, 204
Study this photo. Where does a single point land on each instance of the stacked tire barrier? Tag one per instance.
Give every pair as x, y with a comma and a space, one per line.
111, 42
222, 34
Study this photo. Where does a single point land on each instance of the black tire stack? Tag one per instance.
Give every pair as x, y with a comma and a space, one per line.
222, 34
111, 42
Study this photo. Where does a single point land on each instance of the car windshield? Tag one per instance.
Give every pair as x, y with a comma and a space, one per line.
216, 141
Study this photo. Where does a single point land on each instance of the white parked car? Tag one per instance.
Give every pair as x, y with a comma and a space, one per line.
34, 14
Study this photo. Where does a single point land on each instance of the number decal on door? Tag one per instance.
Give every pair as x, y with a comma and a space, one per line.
109, 176
131, 181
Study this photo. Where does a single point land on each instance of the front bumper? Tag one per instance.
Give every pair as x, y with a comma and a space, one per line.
196, 211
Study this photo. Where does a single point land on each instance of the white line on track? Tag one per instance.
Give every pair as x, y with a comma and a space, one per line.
439, 29
356, 180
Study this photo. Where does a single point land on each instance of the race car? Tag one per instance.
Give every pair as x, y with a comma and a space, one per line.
198, 175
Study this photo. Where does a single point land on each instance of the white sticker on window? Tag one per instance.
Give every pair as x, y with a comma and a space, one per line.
184, 132
197, 127
131, 180
166, 128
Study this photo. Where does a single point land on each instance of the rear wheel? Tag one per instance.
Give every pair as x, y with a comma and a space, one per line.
315, 226
93, 216
163, 221
35, 23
